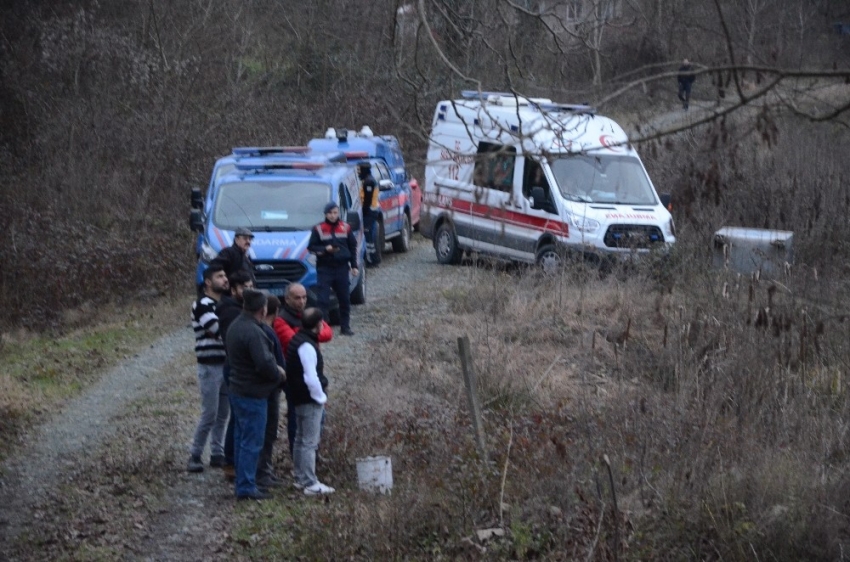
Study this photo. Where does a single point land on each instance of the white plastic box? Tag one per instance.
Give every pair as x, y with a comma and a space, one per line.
747, 250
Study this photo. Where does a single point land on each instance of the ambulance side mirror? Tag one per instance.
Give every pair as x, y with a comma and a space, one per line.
353, 220
538, 198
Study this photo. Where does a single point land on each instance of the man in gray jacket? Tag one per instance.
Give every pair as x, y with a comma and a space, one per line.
254, 375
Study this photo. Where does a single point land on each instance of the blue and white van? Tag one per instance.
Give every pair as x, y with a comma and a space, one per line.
399, 204
279, 194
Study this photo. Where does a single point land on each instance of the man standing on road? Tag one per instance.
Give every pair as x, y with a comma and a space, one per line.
370, 197
254, 375
235, 257
209, 350
686, 80
229, 309
307, 385
266, 477
335, 247
286, 325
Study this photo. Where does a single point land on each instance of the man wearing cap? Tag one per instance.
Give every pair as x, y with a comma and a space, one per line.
333, 243
370, 196
254, 376
235, 257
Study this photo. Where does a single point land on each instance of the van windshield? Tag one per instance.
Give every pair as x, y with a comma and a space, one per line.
603, 179
282, 205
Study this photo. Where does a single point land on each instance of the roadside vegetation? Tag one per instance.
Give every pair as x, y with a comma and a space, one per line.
667, 412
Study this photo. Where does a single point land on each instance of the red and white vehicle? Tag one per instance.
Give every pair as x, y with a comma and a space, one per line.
529, 180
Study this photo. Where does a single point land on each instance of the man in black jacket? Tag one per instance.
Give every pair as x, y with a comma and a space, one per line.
254, 376
307, 385
229, 308
686, 80
235, 257
335, 247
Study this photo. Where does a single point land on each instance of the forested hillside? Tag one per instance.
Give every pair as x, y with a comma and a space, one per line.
111, 111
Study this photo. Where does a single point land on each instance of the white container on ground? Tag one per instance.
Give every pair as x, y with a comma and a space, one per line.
375, 474
746, 250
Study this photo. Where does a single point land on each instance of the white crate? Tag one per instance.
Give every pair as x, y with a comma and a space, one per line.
746, 250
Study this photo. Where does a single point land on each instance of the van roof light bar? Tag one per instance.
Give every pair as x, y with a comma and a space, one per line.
366, 132
267, 150
273, 166
568, 107
356, 154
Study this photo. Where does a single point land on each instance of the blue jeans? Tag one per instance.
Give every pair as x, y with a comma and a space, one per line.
336, 278
306, 442
248, 436
214, 410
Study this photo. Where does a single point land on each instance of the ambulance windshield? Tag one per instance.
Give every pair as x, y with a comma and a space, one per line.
603, 179
270, 206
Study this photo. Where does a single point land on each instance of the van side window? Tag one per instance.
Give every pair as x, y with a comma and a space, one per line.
344, 201
494, 166
534, 177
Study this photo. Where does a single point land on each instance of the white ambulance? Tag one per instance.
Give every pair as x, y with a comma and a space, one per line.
530, 180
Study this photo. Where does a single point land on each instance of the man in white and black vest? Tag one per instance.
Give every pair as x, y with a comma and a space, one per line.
307, 387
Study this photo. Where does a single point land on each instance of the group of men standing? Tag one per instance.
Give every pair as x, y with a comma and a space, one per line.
251, 348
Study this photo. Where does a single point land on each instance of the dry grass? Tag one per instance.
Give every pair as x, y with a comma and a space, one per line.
726, 438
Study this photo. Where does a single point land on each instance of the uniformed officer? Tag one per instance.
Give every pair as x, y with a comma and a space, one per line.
333, 242
370, 195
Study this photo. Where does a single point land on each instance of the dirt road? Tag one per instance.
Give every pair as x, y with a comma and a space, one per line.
104, 478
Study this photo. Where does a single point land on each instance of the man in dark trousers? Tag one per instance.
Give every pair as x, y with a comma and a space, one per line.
236, 257
286, 325
266, 477
307, 385
209, 350
335, 247
370, 197
254, 376
229, 308
686, 80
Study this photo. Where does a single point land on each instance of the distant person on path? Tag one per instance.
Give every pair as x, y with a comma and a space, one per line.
307, 386
254, 376
236, 257
686, 81
335, 247
286, 325
266, 477
370, 197
209, 351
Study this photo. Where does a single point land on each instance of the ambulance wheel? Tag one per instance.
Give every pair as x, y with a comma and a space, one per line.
445, 243
549, 259
358, 295
401, 243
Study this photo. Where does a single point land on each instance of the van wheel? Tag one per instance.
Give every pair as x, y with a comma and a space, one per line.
549, 259
358, 295
401, 243
445, 242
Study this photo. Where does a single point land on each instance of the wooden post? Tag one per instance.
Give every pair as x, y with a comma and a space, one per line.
472, 392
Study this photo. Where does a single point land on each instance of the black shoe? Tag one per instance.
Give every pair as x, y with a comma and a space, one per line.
195, 464
217, 461
267, 482
347, 332
259, 495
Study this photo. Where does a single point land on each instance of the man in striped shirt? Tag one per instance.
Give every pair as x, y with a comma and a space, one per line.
209, 349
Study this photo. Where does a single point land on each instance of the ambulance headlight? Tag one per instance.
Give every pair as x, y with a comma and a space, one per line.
207, 253
584, 224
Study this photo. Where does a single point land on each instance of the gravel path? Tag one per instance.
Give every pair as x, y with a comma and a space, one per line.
86, 450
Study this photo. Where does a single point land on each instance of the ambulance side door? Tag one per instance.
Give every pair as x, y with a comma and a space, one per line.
493, 177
